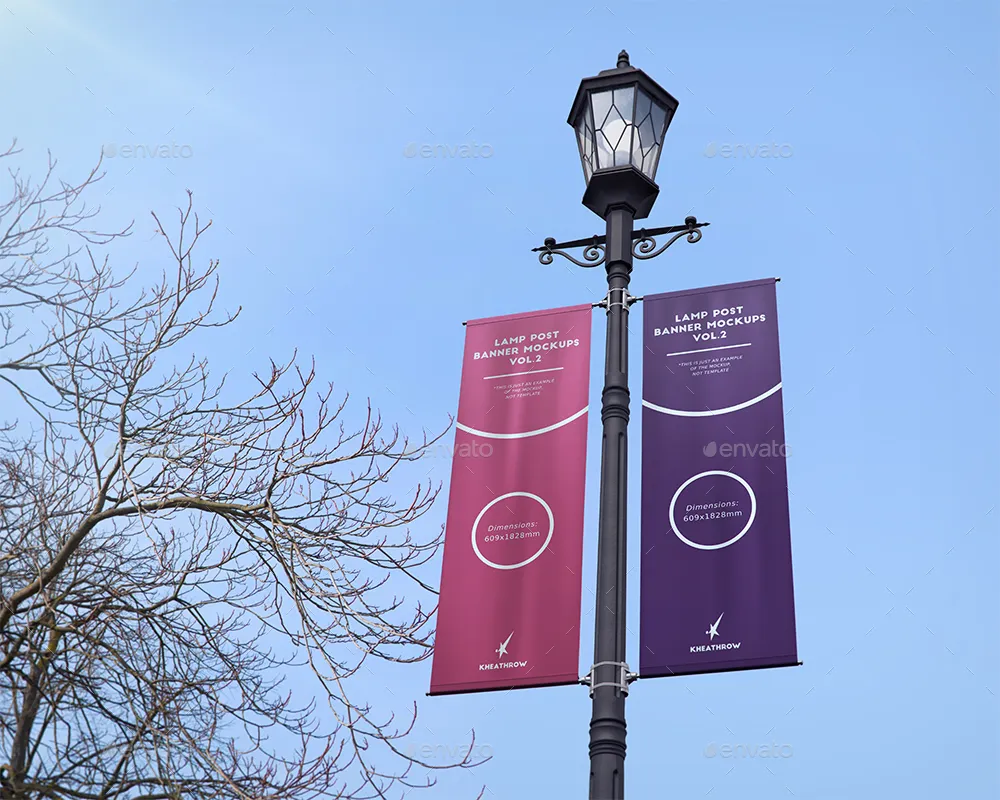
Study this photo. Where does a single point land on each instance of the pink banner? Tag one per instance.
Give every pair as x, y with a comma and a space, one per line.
509, 610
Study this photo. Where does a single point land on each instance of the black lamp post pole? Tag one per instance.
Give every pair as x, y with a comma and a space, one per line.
607, 722
620, 117
609, 677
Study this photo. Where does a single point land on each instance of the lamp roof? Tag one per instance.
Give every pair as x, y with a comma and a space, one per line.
624, 74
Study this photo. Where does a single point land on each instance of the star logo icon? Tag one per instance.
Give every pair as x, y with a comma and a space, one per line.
502, 649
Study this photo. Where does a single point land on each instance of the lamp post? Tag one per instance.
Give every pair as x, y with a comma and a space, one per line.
620, 118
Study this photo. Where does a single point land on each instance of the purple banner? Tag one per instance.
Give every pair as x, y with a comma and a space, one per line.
716, 568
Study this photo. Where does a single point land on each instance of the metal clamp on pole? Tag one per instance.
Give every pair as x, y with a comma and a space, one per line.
624, 679
628, 300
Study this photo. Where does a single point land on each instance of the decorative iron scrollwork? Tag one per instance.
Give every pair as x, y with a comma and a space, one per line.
645, 246
593, 254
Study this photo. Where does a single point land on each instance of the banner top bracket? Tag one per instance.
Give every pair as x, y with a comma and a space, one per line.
626, 302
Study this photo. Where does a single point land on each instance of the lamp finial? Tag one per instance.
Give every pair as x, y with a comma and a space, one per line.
623, 59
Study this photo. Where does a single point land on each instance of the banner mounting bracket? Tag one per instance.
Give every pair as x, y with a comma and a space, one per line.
625, 677
629, 300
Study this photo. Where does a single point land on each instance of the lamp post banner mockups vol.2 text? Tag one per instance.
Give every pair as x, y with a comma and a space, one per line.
509, 608
716, 568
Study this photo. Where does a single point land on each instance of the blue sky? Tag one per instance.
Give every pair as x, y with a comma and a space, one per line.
880, 217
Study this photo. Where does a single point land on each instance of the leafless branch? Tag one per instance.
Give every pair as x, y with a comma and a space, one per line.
172, 552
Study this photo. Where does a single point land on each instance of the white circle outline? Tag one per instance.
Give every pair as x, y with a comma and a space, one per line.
493, 502
738, 536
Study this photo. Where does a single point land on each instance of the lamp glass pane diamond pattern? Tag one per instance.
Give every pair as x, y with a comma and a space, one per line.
621, 127
651, 123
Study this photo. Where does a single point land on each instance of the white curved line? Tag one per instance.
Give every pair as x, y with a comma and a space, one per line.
526, 434
678, 413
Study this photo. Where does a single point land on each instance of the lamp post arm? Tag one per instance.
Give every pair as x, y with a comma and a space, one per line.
645, 247
644, 244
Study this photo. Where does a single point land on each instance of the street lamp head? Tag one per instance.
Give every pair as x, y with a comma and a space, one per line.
620, 117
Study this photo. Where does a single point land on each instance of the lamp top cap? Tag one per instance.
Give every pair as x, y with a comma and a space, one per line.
623, 66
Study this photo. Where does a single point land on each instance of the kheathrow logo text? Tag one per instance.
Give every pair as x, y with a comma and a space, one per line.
503, 665
707, 648
501, 651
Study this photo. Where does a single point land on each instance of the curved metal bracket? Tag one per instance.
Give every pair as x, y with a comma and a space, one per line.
593, 255
645, 246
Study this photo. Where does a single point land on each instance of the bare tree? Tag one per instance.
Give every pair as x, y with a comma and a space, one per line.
170, 554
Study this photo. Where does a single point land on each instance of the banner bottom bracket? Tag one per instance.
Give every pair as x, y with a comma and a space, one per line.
625, 677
